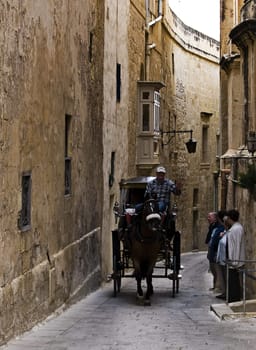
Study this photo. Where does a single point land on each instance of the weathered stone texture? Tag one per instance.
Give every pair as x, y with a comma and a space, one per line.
186, 61
115, 123
136, 51
60, 58
192, 86
238, 115
45, 74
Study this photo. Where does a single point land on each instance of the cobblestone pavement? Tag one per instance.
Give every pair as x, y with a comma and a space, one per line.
102, 322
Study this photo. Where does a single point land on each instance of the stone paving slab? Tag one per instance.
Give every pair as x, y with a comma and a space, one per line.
190, 321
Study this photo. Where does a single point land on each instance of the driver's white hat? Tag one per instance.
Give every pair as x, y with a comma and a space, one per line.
160, 169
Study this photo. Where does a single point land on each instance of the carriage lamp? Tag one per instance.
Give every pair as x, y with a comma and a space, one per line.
190, 144
251, 142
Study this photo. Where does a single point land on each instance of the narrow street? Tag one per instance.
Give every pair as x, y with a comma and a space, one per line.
102, 322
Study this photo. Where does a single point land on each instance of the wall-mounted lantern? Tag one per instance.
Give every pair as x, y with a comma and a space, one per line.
251, 142
190, 144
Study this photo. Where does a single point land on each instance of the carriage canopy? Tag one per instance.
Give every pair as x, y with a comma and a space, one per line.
132, 191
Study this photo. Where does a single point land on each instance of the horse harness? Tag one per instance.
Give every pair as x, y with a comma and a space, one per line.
156, 234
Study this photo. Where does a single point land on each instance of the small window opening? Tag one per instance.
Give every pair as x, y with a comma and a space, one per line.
173, 63
90, 46
145, 117
25, 217
195, 197
67, 155
118, 82
205, 148
112, 169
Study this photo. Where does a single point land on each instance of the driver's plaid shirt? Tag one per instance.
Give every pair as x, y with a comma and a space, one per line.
160, 190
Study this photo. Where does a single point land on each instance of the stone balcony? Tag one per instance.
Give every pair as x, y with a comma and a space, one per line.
245, 31
248, 11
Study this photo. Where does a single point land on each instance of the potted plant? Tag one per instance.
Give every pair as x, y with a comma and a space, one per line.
248, 179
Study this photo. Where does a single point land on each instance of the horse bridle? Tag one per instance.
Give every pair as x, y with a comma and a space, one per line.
138, 234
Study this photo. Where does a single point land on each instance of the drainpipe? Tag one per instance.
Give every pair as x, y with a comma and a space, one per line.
151, 23
160, 14
150, 46
147, 12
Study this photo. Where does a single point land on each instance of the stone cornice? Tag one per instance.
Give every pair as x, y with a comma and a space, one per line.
227, 60
243, 33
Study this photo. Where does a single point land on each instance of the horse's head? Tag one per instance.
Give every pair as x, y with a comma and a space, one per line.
150, 214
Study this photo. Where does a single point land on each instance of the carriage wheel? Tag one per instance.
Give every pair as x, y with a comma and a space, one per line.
116, 276
176, 263
174, 277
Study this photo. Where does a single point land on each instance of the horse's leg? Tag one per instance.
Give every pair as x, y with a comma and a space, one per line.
139, 288
138, 277
149, 291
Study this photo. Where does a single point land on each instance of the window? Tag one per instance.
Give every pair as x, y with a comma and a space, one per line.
67, 155
218, 148
195, 197
156, 110
205, 152
90, 46
112, 170
25, 217
205, 116
145, 95
149, 135
118, 82
156, 147
146, 111
146, 117
67, 175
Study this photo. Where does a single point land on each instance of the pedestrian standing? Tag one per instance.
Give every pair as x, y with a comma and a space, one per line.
212, 220
217, 234
235, 254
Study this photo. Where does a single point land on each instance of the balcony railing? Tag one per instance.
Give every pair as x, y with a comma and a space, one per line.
246, 273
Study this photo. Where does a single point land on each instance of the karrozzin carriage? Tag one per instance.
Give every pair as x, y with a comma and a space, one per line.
162, 231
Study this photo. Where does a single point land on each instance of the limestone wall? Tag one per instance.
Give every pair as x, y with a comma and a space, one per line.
186, 61
115, 122
190, 100
238, 116
59, 62
46, 75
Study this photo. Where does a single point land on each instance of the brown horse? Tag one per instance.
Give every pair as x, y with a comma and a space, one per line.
145, 245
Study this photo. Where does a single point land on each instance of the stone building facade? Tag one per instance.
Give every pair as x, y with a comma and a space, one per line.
87, 89
182, 65
51, 157
115, 117
237, 115
191, 103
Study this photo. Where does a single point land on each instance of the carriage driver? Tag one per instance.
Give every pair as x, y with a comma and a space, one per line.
160, 189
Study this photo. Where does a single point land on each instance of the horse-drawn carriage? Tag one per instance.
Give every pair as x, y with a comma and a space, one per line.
146, 243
